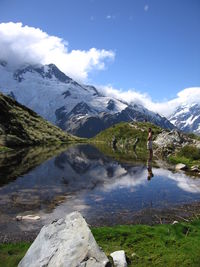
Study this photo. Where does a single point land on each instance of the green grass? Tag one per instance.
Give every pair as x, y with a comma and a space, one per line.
174, 159
11, 254
4, 149
194, 136
190, 152
126, 134
189, 155
128, 131
160, 245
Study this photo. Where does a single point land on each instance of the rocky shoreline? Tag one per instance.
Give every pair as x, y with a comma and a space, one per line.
148, 216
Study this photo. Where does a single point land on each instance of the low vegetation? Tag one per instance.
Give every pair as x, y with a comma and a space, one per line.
11, 254
194, 136
189, 155
20, 126
126, 135
160, 245
4, 149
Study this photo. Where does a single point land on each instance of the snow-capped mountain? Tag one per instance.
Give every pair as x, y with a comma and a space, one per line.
79, 109
187, 118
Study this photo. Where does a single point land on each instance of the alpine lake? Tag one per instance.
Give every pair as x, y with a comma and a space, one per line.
107, 187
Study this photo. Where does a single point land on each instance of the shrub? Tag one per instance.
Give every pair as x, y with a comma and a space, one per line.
190, 152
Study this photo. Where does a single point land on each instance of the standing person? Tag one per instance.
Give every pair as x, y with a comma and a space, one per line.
149, 143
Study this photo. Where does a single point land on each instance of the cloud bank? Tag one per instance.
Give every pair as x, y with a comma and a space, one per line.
21, 45
165, 108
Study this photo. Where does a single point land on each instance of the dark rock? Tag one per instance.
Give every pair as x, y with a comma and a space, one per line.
66, 93
111, 105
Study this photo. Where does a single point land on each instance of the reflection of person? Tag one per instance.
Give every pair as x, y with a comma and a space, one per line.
149, 143
149, 168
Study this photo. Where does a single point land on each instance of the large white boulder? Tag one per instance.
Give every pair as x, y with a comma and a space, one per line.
119, 258
65, 243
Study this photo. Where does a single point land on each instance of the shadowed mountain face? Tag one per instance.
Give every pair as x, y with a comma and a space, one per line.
79, 109
20, 126
83, 123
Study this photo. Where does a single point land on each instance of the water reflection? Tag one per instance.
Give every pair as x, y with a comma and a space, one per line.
18, 162
149, 169
82, 178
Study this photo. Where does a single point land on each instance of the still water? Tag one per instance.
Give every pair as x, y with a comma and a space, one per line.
82, 178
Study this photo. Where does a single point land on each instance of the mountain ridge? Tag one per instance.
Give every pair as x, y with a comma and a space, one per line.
68, 104
186, 117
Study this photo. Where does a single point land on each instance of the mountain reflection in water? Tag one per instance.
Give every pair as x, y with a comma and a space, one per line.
84, 179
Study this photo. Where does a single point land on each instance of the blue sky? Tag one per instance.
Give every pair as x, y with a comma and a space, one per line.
156, 42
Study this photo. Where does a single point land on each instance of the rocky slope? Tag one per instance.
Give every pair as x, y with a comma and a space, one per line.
80, 109
20, 126
187, 118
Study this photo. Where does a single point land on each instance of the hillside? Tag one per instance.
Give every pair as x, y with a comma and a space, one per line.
172, 146
126, 135
20, 126
128, 131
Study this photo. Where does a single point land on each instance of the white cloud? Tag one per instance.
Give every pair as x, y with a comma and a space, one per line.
165, 108
146, 8
24, 45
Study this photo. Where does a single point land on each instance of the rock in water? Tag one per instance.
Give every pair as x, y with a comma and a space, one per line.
119, 258
28, 217
66, 242
195, 168
181, 167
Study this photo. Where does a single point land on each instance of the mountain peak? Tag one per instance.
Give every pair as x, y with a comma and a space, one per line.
45, 71
74, 107
187, 117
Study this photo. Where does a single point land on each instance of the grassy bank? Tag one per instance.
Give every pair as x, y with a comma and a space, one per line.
160, 245
189, 155
11, 254
126, 135
4, 149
